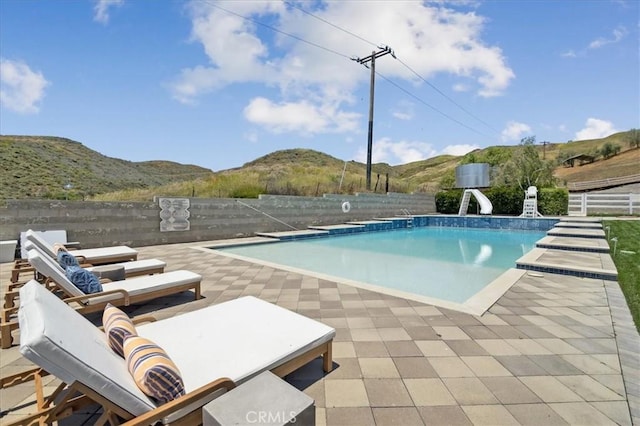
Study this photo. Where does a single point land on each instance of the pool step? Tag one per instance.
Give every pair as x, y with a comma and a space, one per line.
563, 262
580, 225
597, 245
576, 232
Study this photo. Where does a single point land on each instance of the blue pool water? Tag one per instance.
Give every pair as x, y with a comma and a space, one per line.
451, 264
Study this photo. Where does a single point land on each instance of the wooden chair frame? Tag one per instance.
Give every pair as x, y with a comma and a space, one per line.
71, 398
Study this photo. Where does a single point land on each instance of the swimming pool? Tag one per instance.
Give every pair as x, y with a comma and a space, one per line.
433, 263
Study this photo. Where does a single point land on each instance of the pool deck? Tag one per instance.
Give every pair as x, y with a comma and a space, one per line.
555, 349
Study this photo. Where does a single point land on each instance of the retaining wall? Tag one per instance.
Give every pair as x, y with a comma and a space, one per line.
100, 224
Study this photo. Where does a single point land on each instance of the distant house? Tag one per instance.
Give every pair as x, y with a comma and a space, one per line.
582, 158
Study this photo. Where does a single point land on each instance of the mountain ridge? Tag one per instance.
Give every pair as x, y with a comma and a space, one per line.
58, 168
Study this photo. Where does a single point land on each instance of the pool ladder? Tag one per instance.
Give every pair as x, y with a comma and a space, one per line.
407, 213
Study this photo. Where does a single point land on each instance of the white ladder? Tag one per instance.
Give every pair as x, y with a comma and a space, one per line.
464, 204
407, 213
529, 209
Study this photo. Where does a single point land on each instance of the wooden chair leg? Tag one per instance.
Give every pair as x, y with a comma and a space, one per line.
6, 340
10, 299
327, 359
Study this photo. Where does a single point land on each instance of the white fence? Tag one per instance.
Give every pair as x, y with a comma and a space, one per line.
586, 203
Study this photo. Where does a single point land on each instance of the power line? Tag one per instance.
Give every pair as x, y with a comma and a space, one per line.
356, 59
431, 106
399, 60
329, 23
447, 97
278, 31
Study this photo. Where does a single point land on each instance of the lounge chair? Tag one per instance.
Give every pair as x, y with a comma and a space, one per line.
93, 256
131, 269
214, 348
118, 293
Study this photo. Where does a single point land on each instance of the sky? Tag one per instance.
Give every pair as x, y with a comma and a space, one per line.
220, 83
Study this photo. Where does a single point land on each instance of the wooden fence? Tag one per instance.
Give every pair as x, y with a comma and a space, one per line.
602, 183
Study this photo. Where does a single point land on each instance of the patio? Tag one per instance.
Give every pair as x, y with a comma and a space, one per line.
555, 349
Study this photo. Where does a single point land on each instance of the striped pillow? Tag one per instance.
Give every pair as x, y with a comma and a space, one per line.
117, 326
152, 369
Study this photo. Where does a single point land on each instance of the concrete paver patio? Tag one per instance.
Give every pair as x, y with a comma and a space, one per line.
554, 349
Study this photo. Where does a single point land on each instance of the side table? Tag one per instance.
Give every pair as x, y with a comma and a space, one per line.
263, 400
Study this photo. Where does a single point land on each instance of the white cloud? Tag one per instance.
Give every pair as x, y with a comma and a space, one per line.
459, 150
384, 150
617, 35
240, 51
404, 111
595, 129
302, 117
101, 9
515, 131
21, 89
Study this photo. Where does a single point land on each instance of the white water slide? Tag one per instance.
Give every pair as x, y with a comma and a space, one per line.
485, 205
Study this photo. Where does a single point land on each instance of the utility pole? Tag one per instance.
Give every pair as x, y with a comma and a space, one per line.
544, 150
372, 58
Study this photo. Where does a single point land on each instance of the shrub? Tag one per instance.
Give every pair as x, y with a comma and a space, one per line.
506, 201
609, 150
553, 202
246, 191
448, 202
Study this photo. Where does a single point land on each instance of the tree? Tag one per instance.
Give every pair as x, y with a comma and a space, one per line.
609, 150
448, 180
526, 168
634, 138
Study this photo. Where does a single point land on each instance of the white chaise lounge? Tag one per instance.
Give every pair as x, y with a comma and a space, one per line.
93, 256
119, 293
131, 269
125, 292
216, 347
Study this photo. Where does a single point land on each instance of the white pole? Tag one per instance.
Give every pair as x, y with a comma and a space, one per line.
344, 169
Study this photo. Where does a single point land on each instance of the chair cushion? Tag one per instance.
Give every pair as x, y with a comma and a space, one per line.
152, 369
117, 326
70, 347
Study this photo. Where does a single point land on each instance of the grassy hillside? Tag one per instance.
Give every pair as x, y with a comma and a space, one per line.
40, 167
624, 164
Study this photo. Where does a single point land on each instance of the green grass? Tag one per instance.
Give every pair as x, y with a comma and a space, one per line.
627, 260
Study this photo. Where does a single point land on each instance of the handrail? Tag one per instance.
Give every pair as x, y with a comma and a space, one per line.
603, 183
267, 215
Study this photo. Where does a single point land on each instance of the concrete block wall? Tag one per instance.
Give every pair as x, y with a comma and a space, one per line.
100, 224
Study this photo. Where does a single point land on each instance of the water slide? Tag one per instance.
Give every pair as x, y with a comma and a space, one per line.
485, 205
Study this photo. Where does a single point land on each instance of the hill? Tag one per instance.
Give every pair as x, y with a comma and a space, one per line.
50, 167
40, 167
